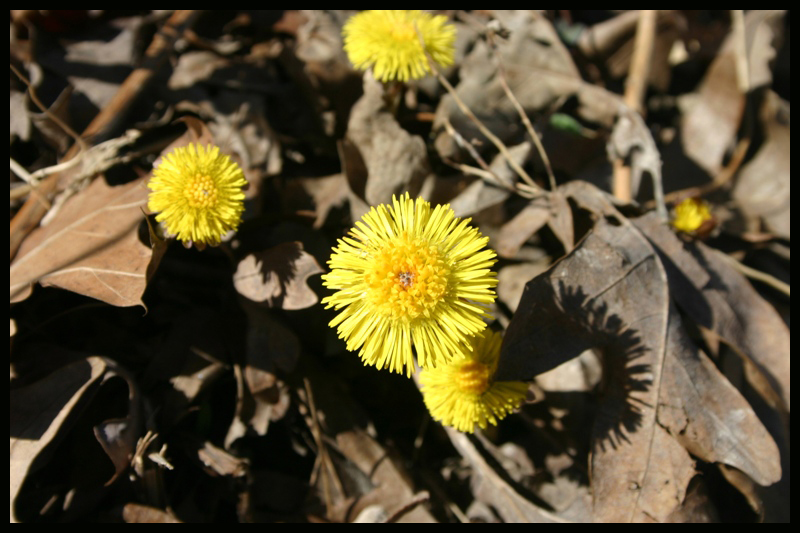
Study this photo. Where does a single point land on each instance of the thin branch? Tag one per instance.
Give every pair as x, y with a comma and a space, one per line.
20, 171
521, 112
740, 51
466, 145
635, 87
752, 273
475, 120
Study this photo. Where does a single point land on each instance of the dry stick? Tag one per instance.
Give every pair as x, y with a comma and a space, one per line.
466, 145
521, 112
485, 172
475, 120
31, 213
635, 87
740, 49
752, 273
323, 459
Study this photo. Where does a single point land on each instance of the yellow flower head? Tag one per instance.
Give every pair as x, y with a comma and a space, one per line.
462, 393
388, 41
198, 194
409, 275
690, 215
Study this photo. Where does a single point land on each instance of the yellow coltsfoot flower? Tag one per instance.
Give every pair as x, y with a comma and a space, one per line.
388, 42
409, 275
462, 394
198, 194
692, 216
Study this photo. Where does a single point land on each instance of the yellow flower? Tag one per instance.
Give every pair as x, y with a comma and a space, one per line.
690, 215
388, 41
409, 275
198, 192
462, 394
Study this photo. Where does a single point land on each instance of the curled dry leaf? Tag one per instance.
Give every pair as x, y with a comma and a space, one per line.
720, 299
611, 294
278, 277
43, 412
395, 160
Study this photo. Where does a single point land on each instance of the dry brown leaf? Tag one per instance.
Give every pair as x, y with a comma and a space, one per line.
709, 125
91, 247
611, 294
395, 160
278, 277
709, 416
718, 298
519, 229
763, 185
328, 192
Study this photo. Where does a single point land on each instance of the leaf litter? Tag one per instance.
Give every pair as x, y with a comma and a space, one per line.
658, 361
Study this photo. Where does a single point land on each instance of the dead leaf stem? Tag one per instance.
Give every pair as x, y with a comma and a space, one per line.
635, 87
501, 71
475, 120
752, 273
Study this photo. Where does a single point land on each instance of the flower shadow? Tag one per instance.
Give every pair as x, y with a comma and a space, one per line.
568, 323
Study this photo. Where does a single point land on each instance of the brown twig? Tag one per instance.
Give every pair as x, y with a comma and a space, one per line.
752, 273
635, 87
521, 112
31, 213
324, 465
475, 120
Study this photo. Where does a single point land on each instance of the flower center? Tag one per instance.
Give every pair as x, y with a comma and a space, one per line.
472, 377
201, 191
407, 278
403, 32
